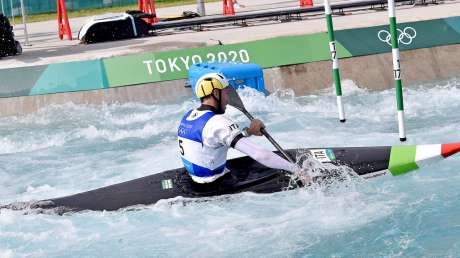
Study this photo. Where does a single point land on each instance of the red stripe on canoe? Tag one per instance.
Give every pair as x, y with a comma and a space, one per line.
450, 149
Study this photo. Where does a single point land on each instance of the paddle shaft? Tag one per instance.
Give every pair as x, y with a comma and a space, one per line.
232, 98
270, 138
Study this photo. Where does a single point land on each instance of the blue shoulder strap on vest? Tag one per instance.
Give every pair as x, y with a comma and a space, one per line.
193, 129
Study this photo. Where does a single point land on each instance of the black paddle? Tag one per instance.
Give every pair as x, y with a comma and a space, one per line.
234, 100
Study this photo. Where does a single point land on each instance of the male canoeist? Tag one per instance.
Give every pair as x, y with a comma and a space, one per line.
205, 135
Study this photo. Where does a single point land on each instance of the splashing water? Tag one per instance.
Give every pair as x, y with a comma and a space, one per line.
66, 149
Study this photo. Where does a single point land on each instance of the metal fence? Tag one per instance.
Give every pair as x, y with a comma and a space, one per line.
49, 6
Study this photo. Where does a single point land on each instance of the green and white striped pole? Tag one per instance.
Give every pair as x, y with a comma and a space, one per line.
396, 69
335, 61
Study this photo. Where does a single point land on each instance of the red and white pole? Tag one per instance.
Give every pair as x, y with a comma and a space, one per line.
306, 3
148, 6
63, 20
228, 7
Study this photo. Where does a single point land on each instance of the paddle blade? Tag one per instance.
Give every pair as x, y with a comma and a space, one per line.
231, 97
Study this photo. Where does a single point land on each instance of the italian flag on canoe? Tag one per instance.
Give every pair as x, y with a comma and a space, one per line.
379, 160
407, 158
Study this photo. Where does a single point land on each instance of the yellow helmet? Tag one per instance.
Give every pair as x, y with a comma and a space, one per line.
208, 82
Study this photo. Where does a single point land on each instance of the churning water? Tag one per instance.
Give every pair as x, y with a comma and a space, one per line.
66, 149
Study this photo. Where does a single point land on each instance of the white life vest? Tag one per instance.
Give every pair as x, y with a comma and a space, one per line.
204, 139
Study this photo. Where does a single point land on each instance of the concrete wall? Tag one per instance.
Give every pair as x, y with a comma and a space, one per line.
163, 92
373, 72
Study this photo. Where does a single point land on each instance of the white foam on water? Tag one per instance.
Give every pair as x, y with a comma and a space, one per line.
66, 149
14, 145
6, 253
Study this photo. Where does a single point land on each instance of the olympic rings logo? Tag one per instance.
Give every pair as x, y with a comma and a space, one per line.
405, 36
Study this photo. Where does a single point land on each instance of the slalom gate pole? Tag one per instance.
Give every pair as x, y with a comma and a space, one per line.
396, 69
335, 61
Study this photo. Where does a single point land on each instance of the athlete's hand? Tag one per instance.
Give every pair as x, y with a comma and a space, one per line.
254, 128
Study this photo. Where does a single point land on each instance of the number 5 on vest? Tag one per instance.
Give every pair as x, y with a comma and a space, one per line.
181, 148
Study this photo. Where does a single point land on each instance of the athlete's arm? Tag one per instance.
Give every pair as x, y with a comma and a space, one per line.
224, 131
261, 155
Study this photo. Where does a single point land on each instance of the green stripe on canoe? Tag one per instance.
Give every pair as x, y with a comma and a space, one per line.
402, 159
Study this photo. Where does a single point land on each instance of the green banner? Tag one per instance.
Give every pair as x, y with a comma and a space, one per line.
413, 35
163, 66
172, 65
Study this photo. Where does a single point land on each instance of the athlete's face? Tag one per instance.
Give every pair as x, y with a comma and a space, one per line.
221, 103
227, 97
